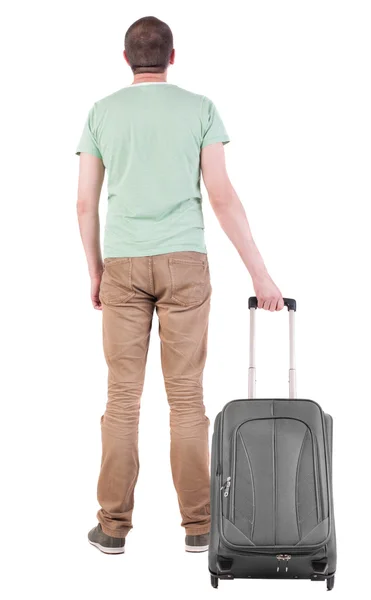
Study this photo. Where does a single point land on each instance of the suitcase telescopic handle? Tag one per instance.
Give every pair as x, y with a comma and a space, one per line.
290, 303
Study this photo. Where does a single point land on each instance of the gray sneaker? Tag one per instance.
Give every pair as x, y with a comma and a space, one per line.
105, 543
197, 543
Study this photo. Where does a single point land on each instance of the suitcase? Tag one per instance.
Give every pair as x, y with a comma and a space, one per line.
271, 484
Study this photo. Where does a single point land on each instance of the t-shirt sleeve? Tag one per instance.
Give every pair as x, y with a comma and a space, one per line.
213, 129
88, 141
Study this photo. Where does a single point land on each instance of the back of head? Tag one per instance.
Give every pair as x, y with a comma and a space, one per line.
148, 45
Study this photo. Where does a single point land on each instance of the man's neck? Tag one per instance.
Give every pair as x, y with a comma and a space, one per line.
150, 78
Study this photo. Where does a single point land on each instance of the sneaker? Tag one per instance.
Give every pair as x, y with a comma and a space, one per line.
105, 543
197, 543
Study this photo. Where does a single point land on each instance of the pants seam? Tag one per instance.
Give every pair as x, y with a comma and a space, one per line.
150, 274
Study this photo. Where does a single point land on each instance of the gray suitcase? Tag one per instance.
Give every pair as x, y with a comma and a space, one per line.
271, 485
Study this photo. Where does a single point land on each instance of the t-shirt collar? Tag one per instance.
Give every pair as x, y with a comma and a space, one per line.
149, 83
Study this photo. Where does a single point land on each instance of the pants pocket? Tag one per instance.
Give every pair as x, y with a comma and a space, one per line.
116, 286
188, 279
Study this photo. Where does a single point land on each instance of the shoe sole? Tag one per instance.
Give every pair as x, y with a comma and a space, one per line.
196, 548
108, 550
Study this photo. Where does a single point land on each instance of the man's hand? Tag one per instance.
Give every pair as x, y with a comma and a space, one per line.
94, 291
268, 295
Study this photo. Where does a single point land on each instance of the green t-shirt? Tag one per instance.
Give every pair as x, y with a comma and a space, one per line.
149, 137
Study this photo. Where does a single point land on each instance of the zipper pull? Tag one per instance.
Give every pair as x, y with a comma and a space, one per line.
285, 558
226, 487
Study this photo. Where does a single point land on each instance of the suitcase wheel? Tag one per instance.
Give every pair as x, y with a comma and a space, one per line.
330, 582
214, 581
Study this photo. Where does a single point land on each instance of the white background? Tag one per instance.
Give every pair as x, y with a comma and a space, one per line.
291, 80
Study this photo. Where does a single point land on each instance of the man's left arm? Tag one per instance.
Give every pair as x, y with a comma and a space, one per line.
91, 176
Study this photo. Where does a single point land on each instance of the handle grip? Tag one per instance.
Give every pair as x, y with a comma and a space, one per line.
290, 303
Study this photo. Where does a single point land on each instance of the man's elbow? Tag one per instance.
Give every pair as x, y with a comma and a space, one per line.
81, 207
84, 207
221, 199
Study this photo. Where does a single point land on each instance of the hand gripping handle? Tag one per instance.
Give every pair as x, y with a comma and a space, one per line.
290, 303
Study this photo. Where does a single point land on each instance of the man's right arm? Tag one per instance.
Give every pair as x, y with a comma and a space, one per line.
232, 218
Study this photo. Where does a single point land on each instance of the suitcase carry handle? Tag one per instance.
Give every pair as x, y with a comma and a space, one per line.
290, 303
291, 306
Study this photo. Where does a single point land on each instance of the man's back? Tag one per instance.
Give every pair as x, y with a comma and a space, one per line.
154, 138
149, 137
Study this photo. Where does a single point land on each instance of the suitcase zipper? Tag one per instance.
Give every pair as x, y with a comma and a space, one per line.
226, 487
283, 558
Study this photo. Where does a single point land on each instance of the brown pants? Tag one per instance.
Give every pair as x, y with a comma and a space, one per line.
178, 286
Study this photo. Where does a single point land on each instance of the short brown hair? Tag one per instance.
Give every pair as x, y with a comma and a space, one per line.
148, 45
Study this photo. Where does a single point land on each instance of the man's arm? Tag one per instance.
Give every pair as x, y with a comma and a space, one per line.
232, 217
90, 185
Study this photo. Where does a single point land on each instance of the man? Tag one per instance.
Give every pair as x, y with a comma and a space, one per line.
152, 137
